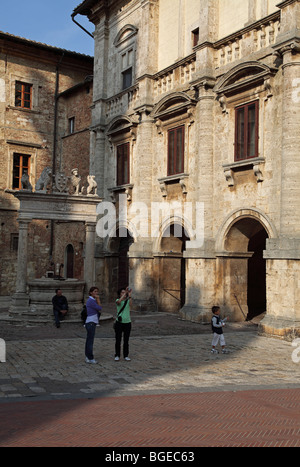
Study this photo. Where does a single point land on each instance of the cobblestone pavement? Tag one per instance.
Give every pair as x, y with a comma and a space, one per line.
175, 362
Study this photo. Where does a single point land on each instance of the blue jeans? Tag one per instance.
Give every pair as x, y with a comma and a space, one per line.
89, 343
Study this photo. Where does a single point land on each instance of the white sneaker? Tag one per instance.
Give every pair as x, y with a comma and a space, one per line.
127, 359
93, 361
117, 359
214, 351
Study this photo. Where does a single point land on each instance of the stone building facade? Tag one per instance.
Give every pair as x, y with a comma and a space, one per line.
45, 115
198, 101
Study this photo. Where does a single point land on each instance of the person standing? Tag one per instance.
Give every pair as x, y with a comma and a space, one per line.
123, 323
217, 325
93, 307
60, 306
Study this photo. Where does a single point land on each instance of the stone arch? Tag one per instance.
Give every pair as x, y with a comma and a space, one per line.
171, 263
176, 102
109, 240
241, 267
244, 74
127, 32
234, 216
119, 123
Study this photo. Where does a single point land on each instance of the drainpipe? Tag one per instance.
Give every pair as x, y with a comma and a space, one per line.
85, 30
54, 144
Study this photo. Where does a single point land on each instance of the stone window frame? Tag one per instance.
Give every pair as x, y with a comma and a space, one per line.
16, 147
121, 130
173, 111
23, 95
245, 107
22, 157
243, 84
14, 79
125, 41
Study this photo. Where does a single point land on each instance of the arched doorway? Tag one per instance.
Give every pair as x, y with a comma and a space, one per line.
244, 268
172, 272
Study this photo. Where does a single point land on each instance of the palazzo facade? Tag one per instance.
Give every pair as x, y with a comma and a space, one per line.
196, 109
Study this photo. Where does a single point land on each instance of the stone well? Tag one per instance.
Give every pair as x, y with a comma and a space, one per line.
42, 290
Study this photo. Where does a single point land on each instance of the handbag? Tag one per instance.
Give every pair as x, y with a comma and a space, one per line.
119, 318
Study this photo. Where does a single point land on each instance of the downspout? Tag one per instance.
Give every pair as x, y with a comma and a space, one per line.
85, 30
54, 145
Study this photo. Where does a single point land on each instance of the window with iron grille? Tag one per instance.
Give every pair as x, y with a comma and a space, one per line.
23, 95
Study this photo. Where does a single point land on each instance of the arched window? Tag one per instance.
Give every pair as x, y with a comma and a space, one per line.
125, 43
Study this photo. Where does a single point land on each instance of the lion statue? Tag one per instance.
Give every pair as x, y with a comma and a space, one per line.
76, 181
25, 183
92, 185
44, 180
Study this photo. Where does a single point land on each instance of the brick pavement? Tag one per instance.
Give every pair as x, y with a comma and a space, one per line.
172, 393
265, 418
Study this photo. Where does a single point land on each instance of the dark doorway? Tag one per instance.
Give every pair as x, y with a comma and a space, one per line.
125, 242
70, 262
173, 269
256, 295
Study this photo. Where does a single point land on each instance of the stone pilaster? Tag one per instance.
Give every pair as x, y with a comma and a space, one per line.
20, 299
89, 261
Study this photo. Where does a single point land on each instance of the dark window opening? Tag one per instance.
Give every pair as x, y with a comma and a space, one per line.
123, 176
176, 151
246, 131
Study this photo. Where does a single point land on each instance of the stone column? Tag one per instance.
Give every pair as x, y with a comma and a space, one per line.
290, 186
89, 261
200, 262
20, 300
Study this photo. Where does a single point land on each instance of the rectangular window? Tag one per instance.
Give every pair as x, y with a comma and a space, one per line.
195, 37
246, 131
127, 69
21, 165
14, 242
71, 125
23, 95
176, 151
127, 78
123, 177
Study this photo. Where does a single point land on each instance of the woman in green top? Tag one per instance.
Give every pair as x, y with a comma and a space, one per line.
123, 323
